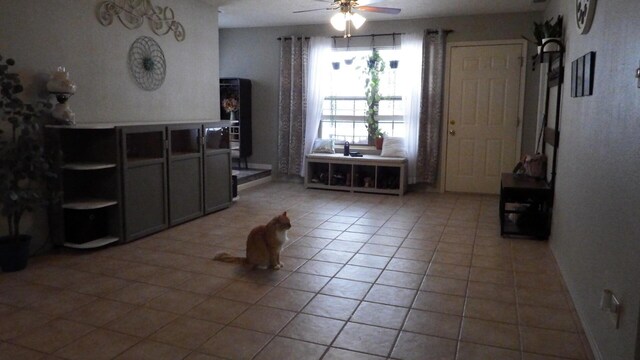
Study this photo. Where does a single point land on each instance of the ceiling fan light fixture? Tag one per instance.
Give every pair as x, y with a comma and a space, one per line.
357, 20
339, 21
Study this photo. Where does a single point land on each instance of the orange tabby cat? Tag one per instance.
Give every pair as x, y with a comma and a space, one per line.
263, 244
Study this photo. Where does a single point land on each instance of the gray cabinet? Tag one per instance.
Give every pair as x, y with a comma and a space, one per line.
217, 168
144, 176
185, 173
122, 182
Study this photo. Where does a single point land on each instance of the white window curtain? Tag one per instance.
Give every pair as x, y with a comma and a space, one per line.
319, 70
410, 71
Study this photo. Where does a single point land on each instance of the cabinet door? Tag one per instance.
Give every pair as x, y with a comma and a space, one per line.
185, 173
217, 169
144, 180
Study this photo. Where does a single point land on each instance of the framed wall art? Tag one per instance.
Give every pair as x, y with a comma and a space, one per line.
582, 75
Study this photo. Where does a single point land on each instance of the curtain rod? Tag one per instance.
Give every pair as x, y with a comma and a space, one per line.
370, 35
429, 31
342, 37
435, 31
289, 38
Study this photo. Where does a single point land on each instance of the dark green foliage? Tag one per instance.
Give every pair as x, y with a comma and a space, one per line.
26, 176
547, 29
543, 30
375, 66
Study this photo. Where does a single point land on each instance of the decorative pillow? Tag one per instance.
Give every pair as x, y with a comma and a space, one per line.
393, 147
323, 146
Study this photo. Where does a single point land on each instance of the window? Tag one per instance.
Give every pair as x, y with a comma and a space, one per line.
344, 110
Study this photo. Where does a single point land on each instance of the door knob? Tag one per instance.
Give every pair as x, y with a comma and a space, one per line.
452, 132
452, 122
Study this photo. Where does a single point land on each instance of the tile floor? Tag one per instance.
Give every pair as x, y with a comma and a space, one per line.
424, 276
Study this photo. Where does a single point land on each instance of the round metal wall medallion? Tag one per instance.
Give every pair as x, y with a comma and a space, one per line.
585, 9
146, 63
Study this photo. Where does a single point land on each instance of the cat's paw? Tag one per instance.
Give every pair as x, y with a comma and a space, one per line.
278, 267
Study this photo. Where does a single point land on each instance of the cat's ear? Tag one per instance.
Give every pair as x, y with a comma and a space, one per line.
284, 213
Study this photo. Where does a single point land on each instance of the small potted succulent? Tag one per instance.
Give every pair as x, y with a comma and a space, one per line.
26, 176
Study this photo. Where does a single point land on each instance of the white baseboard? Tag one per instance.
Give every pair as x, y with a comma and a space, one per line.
254, 165
251, 184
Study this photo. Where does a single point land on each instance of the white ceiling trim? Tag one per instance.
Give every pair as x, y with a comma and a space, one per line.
264, 13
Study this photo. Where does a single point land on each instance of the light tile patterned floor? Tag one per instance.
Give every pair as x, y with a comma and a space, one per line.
424, 276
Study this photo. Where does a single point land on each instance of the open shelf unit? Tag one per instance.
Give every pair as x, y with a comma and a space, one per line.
525, 206
370, 173
91, 211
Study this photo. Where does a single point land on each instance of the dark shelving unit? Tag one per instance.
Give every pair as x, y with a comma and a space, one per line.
240, 126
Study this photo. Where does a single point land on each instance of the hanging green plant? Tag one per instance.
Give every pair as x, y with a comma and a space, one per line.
375, 67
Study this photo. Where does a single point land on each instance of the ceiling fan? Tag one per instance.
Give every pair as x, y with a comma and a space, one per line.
345, 18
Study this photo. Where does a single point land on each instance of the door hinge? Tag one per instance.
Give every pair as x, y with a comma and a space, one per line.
518, 123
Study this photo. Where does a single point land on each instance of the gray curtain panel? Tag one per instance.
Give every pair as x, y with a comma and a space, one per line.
431, 106
294, 55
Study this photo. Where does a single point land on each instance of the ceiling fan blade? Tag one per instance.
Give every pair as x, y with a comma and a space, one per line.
368, 2
378, 9
304, 11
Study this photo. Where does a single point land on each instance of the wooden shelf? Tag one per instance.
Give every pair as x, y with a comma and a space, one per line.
87, 166
88, 204
93, 244
530, 201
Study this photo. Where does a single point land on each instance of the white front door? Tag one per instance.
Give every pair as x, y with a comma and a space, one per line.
483, 110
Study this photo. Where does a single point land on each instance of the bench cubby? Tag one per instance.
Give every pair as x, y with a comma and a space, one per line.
370, 173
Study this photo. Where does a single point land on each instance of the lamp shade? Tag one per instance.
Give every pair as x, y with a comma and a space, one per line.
357, 20
339, 21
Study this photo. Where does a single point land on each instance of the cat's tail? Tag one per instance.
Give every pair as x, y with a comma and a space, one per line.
228, 258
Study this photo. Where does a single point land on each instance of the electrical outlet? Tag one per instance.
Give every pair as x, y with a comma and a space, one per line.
610, 303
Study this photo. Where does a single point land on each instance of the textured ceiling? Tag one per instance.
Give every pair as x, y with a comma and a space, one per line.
257, 13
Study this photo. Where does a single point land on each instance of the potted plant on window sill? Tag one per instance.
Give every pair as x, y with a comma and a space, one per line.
544, 32
375, 66
26, 178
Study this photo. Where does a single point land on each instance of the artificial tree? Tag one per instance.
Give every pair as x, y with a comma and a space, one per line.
26, 176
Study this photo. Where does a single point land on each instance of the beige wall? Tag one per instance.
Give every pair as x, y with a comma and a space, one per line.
596, 216
41, 35
253, 53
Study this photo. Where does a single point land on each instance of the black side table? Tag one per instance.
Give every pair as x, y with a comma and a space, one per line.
525, 206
